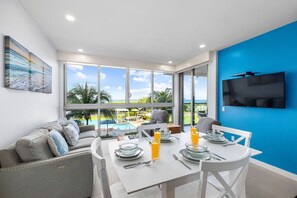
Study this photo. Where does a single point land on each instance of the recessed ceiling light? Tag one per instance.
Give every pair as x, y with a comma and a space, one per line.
202, 46
70, 18
80, 50
169, 62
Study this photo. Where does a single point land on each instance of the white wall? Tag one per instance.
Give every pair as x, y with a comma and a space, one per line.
212, 86
22, 111
111, 61
197, 60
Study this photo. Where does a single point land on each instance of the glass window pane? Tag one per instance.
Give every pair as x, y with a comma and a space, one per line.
200, 90
140, 86
112, 85
84, 117
115, 122
187, 97
162, 87
82, 84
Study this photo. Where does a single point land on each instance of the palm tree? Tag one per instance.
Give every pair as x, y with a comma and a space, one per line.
83, 94
163, 96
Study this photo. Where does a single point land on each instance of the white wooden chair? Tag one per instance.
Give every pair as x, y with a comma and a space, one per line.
116, 190
244, 135
141, 129
233, 187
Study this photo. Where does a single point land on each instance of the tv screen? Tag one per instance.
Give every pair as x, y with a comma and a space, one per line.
255, 91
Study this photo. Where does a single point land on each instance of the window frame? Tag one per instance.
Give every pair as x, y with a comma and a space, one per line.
127, 104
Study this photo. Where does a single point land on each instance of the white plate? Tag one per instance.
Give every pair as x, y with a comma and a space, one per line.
119, 153
219, 141
191, 161
223, 140
130, 158
185, 154
167, 139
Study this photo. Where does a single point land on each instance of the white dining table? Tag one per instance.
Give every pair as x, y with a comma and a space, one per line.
166, 171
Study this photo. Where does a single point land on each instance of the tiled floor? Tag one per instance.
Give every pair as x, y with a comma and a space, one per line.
261, 183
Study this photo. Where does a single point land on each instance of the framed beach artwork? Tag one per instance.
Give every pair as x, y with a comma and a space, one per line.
36, 73
47, 78
24, 70
16, 65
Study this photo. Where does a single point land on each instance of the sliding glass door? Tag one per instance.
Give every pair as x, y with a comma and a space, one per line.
194, 95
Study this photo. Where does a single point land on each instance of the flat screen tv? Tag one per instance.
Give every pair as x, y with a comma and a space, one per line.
256, 91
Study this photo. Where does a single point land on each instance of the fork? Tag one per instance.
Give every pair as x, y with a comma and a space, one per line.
176, 158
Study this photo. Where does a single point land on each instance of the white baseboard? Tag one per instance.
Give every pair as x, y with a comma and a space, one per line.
274, 169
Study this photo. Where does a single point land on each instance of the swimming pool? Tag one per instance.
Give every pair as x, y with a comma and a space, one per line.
123, 126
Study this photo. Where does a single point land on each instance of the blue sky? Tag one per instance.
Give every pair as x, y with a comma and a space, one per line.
200, 87
113, 80
78, 74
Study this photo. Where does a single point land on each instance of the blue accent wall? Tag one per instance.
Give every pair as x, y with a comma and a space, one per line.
274, 130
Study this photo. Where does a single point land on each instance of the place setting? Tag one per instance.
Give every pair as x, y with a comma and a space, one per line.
194, 152
155, 151
166, 136
128, 151
215, 137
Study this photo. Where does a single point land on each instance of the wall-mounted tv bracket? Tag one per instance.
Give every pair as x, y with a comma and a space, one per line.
246, 74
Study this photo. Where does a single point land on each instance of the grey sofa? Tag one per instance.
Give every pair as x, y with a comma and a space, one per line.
56, 177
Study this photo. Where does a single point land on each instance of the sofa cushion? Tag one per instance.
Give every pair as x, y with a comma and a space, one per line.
34, 146
82, 143
53, 126
9, 157
71, 121
84, 149
71, 134
87, 134
57, 143
87, 128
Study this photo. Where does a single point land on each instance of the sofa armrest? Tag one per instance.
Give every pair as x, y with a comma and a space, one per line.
87, 128
67, 176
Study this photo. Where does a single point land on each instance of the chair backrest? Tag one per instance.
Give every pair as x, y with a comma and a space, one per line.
100, 164
244, 135
142, 129
159, 116
204, 124
236, 185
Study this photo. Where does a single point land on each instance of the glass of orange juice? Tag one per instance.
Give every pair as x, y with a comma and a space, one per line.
157, 136
193, 130
155, 150
195, 138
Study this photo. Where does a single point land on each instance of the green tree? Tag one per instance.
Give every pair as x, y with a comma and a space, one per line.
158, 97
163, 96
83, 94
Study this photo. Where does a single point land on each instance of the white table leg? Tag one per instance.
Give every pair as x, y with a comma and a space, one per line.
168, 190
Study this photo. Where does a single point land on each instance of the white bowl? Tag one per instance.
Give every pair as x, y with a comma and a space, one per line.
128, 148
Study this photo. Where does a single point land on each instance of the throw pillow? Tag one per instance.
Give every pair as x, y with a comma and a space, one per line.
63, 121
57, 143
34, 146
71, 121
53, 126
71, 134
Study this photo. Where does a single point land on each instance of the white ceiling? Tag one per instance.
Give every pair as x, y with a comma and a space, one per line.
156, 30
